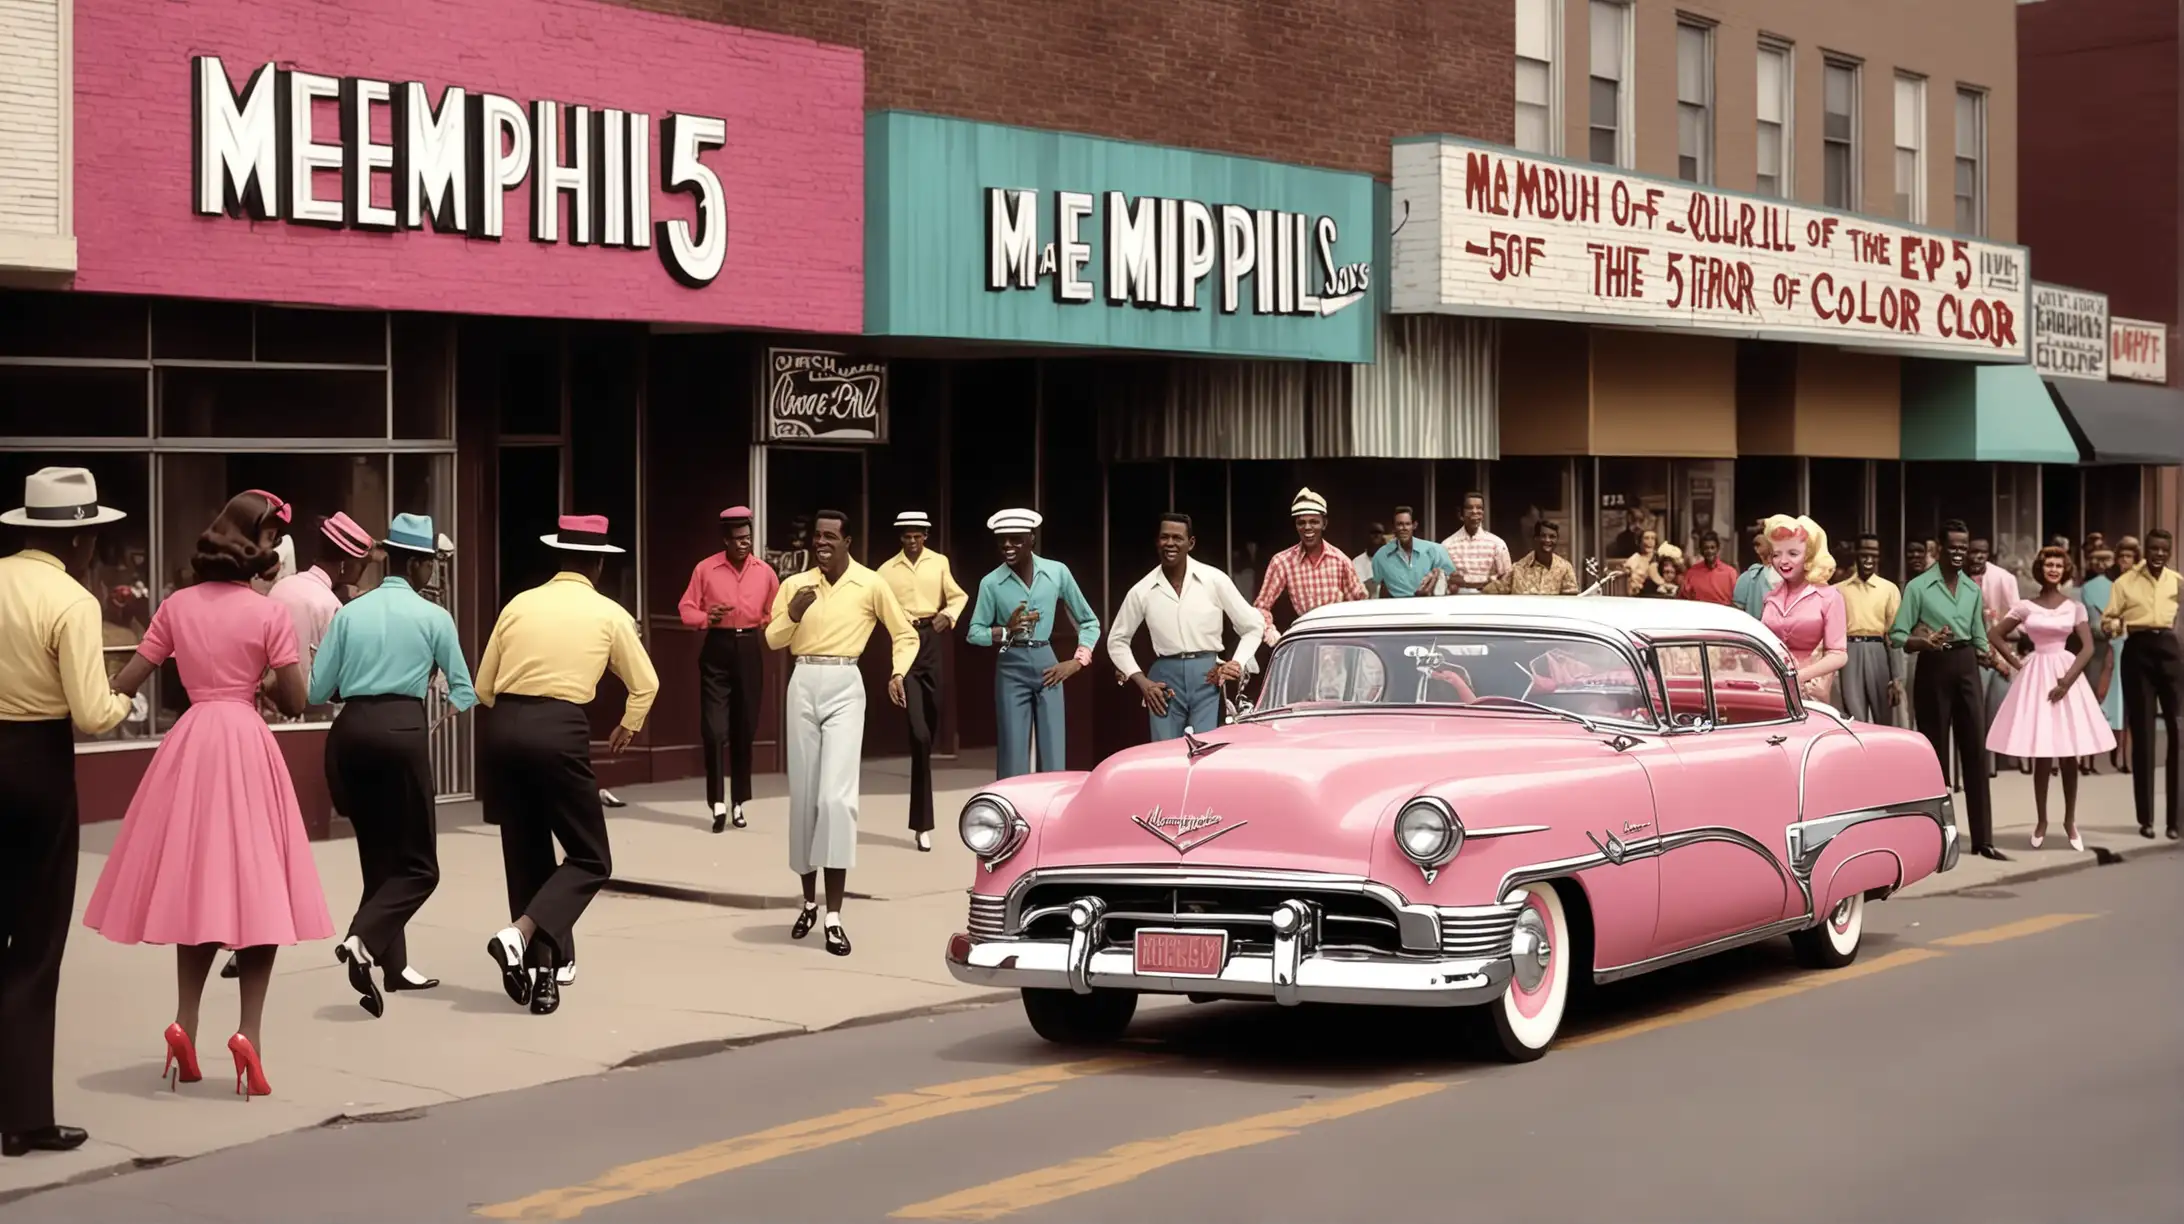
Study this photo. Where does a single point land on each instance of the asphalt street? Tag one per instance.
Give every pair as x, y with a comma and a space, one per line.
2008, 1054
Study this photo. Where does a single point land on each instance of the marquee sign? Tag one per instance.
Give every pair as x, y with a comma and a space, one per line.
450, 164
1482, 230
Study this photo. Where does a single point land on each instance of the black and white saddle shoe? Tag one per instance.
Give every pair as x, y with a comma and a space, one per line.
410, 979
506, 949
837, 941
565, 975
44, 1139
351, 952
608, 799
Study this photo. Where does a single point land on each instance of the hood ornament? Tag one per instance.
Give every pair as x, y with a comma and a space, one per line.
1177, 830
1198, 747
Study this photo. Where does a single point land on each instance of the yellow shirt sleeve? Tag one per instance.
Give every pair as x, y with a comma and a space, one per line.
902, 637
92, 703
626, 656
779, 628
953, 599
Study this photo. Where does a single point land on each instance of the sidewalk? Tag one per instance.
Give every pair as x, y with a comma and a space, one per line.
662, 973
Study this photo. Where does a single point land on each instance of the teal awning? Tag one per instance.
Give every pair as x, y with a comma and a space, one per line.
1995, 413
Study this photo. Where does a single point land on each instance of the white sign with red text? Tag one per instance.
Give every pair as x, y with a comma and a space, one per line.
1481, 230
2138, 350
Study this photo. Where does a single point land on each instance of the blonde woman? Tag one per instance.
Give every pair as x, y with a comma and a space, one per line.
1805, 612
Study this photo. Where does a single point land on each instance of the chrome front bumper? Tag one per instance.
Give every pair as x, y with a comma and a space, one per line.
1294, 972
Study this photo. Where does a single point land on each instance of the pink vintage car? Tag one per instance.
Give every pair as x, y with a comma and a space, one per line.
1456, 802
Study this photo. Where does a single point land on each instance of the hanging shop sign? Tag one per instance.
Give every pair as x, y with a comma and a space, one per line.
816, 396
2069, 332
2138, 350
1000, 233
622, 165
1484, 231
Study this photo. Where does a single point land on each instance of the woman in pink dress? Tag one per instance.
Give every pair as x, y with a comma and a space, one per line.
212, 853
1805, 612
2050, 713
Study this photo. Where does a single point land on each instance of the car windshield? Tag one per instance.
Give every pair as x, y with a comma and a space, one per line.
1428, 668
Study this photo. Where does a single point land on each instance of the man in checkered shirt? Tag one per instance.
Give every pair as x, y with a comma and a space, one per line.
1311, 572
1479, 555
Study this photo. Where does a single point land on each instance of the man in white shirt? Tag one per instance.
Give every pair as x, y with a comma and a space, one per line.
1480, 556
1376, 534
1183, 604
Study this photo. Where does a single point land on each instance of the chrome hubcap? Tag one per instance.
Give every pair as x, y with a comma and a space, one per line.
1529, 951
1841, 916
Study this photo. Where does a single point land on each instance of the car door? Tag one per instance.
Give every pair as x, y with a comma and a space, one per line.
1724, 806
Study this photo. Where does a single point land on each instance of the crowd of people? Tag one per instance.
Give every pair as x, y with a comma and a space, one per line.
212, 854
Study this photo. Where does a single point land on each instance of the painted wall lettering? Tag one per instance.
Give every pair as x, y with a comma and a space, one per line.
258, 152
1485, 231
2069, 332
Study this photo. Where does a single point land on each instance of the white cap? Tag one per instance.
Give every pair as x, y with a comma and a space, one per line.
1307, 502
1009, 521
913, 518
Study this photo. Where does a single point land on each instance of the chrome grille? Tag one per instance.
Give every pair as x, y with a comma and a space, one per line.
1478, 932
987, 916
1347, 920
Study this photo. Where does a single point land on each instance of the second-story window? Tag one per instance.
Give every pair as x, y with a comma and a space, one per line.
1839, 135
1694, 102
1607, 99
1536, 127
1911, 149
1971, 163
1773, 162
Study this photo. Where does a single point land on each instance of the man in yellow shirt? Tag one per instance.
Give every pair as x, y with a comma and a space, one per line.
541, 667
925, 586
1873, 678
52, 673
824, 617
2143, 603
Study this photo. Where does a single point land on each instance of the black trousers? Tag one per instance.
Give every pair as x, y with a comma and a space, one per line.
37, 896
731, 673
2153, 674
921, 693
535, 754
379, 772
1949, 697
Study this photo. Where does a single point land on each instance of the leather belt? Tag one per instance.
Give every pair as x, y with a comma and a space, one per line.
1868, 637
1188, 655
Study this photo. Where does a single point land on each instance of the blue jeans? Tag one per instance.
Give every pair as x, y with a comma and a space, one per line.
1026, 709
1192, 702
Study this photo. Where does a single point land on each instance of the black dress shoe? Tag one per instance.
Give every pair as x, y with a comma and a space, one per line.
234, 967
720, 821
837, 941
396, 982
2173, 833
2146, 831
1989, 852
360, 980
545, 992
804, 922
47, 1139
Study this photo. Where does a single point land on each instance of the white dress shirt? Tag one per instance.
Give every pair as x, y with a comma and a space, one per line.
1184, 623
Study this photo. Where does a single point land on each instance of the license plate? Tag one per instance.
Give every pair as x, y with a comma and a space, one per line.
1181, 953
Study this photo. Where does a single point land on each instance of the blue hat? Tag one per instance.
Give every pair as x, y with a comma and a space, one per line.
412, 533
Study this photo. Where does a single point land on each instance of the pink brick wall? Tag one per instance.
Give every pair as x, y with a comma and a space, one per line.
793, 167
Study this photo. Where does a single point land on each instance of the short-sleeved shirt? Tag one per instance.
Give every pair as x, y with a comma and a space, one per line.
1807, 617
1402, 573
1927, 601
311, 603
223, 637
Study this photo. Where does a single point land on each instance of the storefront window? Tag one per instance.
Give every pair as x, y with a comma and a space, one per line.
1934, 493
1836, 499
1527, 490
1632, 500
2017, 537
1705, 501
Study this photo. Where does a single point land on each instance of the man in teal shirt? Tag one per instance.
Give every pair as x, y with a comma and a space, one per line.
1943, 619
1406, 566
378, 659
1757, 580
1015, 613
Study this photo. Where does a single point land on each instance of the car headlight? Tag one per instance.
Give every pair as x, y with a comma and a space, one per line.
991, 828
1428, 833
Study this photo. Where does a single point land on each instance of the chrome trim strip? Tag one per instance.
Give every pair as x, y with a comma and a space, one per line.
1325, 977
1772, 929
1865, 853
1419, 925
1507, 830
1806, 839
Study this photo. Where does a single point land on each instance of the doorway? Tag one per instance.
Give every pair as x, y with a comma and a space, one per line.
530, 484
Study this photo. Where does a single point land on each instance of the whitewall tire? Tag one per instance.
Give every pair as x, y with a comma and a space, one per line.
1519, 1026
1834, 943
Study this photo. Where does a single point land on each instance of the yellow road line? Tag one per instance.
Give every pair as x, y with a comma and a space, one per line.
2011, 930
893, 1110
1752, 998
1129, 1161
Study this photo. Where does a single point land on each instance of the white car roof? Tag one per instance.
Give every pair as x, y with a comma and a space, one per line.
1616, 614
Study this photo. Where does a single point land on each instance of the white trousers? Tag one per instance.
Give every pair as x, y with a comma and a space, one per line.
826, 748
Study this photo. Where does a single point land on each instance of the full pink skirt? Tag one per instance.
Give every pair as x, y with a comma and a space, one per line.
213, 848
2030, 726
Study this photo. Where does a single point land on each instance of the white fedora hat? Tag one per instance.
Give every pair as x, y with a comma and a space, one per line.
60, 497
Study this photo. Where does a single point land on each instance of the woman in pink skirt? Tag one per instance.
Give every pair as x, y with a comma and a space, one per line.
212, 853
2050, 713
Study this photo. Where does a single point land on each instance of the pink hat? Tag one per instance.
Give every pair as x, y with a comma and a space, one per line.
734, 513
346, 535
581, 533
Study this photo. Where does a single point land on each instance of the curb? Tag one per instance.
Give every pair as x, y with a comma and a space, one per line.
722, 900
2091, 858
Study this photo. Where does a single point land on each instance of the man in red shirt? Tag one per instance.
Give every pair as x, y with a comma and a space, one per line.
1710, 579
730, 597
1312, 573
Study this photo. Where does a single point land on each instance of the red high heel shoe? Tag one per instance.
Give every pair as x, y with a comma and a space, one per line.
249, 1072
181, 1065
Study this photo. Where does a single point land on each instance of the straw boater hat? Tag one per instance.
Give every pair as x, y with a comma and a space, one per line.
1307, 502
1014, 522
586, 533
412, 533
60, 497
346, 535
913, 520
